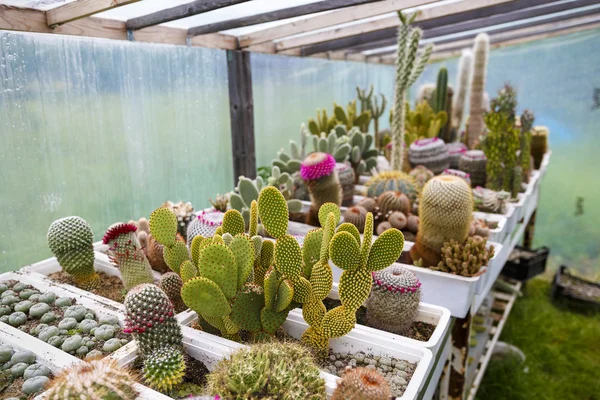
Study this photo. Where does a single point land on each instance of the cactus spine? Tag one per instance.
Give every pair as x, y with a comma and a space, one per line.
124, 250
465, 66
408, 69
476, 126
70, 240
95, 379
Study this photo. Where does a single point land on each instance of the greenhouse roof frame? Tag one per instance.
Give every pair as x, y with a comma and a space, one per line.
334, 29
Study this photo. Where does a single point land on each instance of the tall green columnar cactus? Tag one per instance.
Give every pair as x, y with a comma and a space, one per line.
439, 98
465, 67
408, 69
124, 250
500, 147
163, 227
366, 104
376, 113
70, 240
527, 119
151, 321
476, 125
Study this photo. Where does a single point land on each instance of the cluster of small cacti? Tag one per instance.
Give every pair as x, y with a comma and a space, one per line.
184, 213
479, 227
124, 250
151, 321
95, 379
465, 64
423, 122
71, 240
322, 124
465, 259
362, 384
350, 117
392, 180
394, 300
476, 124
21, 365
431, 153
318, 173
220, 203
487, 200
474, 163
505, 102
455, 151
445, 213
247, 191
308, 269
539, 144
408, 69
270, 370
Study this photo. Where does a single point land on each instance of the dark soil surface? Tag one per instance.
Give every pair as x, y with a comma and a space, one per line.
110, 287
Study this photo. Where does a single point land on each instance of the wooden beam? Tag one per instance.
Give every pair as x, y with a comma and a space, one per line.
348, 14
387, 22
179, 11
276, 15
80, 9
241, 111
344, 43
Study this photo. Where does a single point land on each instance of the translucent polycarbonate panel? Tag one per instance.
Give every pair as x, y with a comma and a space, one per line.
289, 90
107, 130
557, 79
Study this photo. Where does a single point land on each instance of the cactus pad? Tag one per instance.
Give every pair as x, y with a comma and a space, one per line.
176, 255
354, 288
243, 251
273, 211
245, 311
324, 211
288, 257
386, 250
233, 222
218, 264
205, 297
344, 251
163, 226
338, 322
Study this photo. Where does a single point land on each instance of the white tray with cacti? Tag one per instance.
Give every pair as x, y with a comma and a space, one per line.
497, 234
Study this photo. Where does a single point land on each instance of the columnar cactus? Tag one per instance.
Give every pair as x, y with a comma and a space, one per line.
500, 147
408, 69
376, 113
526, 120
465, 259
474, 162
394, 300
95, 379
362, 384
392, 180
439, 97
322, 124
539, 144
445, 213
125, 251
318, 172
465, 66
70, 240
151, 321
350, 117
366, 104
476, 125
270, 370
430, 153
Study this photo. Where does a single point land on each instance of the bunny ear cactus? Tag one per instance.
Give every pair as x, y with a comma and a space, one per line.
408, 69
70, 240
124, 250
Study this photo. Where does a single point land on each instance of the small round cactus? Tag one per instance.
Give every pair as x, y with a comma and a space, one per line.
394, 300
102, 379
391, 201
150, 318
70, 240
357, 216
431, 153
397, 220
368, 203
171, 284
421, 175
164, 368
362, 384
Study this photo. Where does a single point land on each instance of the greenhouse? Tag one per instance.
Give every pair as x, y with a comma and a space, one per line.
299, 199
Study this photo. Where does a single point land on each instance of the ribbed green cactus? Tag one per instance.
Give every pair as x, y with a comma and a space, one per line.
70, 240
268, 371
475, 125
392, 180
439, 97
151, 321
362, 384
445, 213
408, 69
125, 251
94, 379
171, 284
394, 300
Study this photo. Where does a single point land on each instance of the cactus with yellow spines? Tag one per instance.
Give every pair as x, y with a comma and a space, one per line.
445, 213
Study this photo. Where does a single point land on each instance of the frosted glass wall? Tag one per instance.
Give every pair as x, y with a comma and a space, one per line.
288, 90
107, 130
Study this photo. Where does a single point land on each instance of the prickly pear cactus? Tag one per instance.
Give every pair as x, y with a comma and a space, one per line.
70, 240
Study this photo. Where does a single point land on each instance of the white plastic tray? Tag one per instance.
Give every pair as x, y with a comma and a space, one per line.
499, 233
373, 345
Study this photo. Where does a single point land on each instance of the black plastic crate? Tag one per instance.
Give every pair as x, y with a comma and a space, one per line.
570, 287
523, 264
